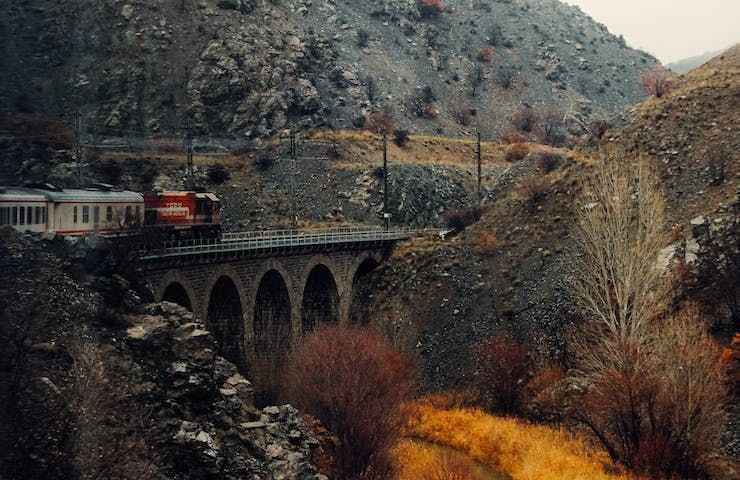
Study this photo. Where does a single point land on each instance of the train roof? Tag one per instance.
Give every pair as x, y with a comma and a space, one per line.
25, 194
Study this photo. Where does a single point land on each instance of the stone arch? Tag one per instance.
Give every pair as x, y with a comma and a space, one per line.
225, 313
272, 324
356, 299
176, 293
165, 290
320, 302
272, 333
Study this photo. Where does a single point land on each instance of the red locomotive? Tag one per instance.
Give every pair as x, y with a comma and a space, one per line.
183, 214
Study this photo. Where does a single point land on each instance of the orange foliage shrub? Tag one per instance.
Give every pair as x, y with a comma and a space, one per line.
485, 54
517, 152
502, 369
354, 382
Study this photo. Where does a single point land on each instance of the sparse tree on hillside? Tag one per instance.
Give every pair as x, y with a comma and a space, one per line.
657, 82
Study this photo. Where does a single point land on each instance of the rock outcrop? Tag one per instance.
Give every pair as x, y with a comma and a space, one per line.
206, 424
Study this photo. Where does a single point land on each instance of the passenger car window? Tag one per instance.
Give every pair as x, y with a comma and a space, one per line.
85, 214
74, 214
21, 215
14, 215
109, 214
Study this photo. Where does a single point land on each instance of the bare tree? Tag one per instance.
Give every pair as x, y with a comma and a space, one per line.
647, 383
620, 235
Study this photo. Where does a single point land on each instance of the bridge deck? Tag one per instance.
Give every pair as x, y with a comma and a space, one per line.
237, 242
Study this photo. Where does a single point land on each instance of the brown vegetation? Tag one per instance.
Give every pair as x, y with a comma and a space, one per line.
485, 54
487, 242
430, 8
459, 220
657, 82
502, 369
525, 119
517, 152
380, 122
354, 382
532, 190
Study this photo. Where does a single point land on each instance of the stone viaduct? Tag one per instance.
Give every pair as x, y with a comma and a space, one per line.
258, 298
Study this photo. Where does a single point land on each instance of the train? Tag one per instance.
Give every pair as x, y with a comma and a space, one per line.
103, 210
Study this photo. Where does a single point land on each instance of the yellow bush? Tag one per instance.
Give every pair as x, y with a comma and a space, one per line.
521, 450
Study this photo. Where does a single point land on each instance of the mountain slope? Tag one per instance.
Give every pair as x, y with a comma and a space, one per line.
687, 64
250, 68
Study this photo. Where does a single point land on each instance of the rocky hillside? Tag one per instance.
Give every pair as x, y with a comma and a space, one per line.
249, 68
694, 135
93, 387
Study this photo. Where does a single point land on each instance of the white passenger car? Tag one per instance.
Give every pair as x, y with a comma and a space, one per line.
46, 208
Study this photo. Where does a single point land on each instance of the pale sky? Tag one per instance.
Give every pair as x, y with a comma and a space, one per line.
669, 29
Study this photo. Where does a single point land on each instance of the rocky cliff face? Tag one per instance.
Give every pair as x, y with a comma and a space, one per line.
250, 68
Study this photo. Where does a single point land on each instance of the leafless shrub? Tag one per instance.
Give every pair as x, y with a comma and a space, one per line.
657, 82
546, 162
502, 369
354, 382
533, 190
463, 114
380, 122
459, 220
525, 119
552, 126
485, 54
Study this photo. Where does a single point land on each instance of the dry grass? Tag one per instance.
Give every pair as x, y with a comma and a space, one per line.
421, 461
363, 148
521, 450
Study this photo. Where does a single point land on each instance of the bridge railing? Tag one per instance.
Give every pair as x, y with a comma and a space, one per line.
265, 240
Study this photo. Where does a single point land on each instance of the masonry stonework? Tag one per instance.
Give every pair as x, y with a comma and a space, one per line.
199, 280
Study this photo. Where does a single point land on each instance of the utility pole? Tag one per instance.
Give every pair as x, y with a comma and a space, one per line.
79, 151
386, 214
292, 175
188, 143
478, 155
